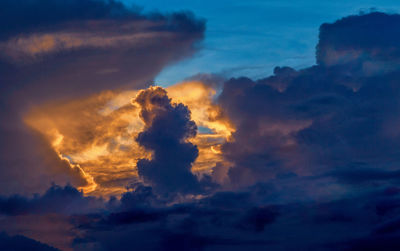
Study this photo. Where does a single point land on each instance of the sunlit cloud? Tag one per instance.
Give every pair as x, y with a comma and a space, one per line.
96, 135
25, 48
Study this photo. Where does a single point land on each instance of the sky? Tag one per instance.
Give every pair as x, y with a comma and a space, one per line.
212, 125
253, 37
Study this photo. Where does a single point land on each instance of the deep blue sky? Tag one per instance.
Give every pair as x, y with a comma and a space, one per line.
252, 37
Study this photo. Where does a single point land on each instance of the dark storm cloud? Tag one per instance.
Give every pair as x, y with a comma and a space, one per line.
62, 200
168, 127
240, 221
20, 243
326, 117
197, 225
357, 175
142, 196
56, 49
375, 36
390, 243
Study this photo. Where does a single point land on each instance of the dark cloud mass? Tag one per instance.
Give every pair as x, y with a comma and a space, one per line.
336, 116
20, 243
168, 127
312, 163
373, 37
56, 200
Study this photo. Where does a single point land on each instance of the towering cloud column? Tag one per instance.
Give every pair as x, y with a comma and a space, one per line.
168, 127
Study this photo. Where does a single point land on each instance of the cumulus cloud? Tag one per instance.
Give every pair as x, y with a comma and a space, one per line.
327, 117
167, 129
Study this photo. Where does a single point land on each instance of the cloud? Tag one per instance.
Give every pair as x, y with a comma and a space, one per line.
263, 143
201, 224
318, 119
371, 37
19, 243
63, 50
90, 45
355, 176
167, 129
61, 200
311, 149
314, 149
105, 133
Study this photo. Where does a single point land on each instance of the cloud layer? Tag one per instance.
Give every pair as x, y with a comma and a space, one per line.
306, 159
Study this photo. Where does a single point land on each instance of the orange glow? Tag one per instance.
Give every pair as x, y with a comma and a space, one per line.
96, 135
39, 44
